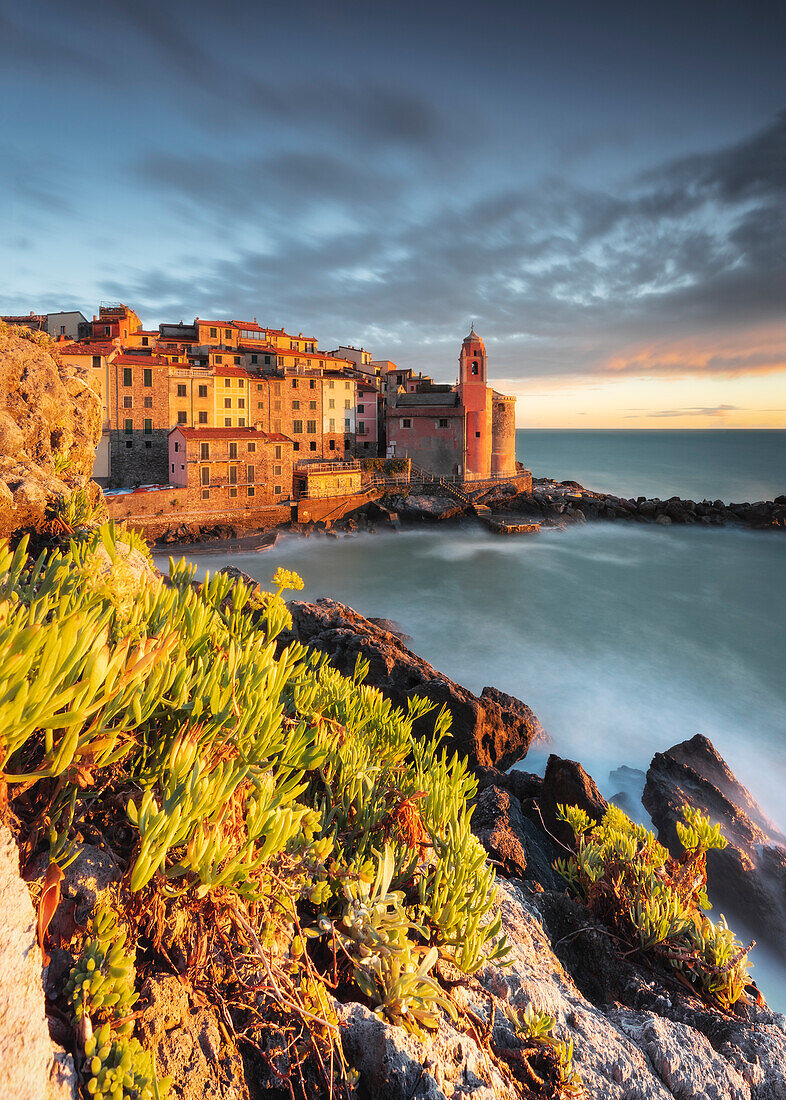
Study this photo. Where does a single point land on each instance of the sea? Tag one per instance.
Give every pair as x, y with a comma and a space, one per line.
623, 638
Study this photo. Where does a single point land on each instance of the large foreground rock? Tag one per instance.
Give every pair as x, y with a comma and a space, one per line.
662, 1050
749, 876
493, 729
30, 1067
49, 413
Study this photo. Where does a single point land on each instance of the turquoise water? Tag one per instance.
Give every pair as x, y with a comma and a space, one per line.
623, 638
725, 464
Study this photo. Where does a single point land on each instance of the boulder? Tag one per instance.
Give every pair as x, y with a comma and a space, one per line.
498, 824
749, 875
565, 783
30, 1067
50, 424
493, 729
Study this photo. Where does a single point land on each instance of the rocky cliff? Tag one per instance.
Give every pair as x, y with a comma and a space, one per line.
50, 424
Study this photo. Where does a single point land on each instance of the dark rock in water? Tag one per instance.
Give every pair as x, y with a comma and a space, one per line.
494, 730
749, 875
565, 783
391, 627
239, 575
499, 824
524, 785
630, 785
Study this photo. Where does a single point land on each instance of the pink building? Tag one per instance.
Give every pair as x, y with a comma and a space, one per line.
465, 431
367, 418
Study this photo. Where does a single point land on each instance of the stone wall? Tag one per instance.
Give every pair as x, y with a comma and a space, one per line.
139, 459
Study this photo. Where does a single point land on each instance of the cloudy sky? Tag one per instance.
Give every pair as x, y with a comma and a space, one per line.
600, 186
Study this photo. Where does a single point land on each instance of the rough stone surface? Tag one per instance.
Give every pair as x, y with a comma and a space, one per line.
28, 1068
749, 875
85, 883
188, 1044
499, 825
493, 729
48, 412
672, 1048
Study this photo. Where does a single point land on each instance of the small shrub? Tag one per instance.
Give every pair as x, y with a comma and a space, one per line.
657, 903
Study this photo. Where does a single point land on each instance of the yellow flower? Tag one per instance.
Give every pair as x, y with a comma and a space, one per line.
286, 578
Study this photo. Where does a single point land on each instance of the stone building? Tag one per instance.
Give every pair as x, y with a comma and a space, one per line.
465, 431
230, 468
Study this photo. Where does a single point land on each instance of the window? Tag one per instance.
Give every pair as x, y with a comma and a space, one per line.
331, 424
181, 390
477, 435
205, 494
241, 402
474, 368
96, 360
267, 360
237, 360
312, 405
294, 383
312, 384
128, 426
361, 408
361, 428
277, 490
173, 467
332, 445
347, 403
241, 422
227, 383
147, 376
406, 423
233, 492
128, 402
182, 417
145, 341
228, 333
203, 418
250, 490
442, 422
107, 330
129, 443
233, 475
213, 333
276, 471
276, 425
227, 421
251, 448
331, 403
346, 444
260, 405
254, 359
278, 450
220, 359
233, 450
204, 451
204, 475
128, 377
295, 404
148, 444
148, 402
148, 427
311, 427
297, 427
177, 448
295, 446
250, 474
227, 402
312, 445
277, 406
331, 384
202, 391
277, 389
347, 425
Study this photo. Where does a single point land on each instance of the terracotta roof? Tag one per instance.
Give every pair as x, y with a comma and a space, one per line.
290, 335
268, 349
207, 434
126, 360
221, 371
214, 324
89, 348
252, 326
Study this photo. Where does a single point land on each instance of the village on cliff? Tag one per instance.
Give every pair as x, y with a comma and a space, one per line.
221, 419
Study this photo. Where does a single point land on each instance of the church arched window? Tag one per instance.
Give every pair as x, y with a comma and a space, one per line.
475, 367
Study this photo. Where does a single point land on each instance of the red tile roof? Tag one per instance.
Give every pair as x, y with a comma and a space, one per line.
207, 434
128, 360
89, 348
221, 371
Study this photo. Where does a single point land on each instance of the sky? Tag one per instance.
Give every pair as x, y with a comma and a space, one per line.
600, 187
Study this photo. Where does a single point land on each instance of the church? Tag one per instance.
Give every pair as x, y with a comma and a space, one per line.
467, 431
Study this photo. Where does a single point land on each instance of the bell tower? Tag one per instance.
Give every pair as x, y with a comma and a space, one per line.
475, 396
